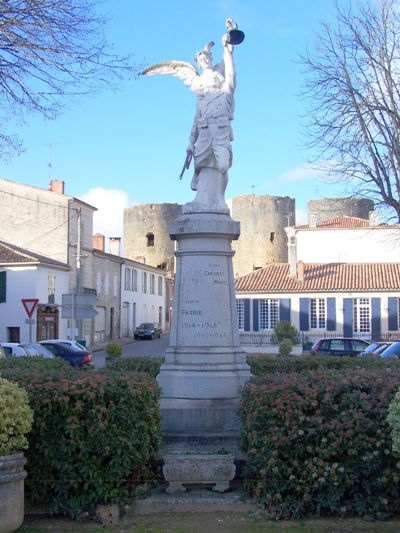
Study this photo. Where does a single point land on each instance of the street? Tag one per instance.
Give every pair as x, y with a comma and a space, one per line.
151, 348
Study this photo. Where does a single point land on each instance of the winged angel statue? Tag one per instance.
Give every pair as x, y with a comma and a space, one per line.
211, 134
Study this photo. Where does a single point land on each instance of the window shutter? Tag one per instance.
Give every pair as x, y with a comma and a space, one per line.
256, 324
3, 286
246, 304
393, 313
304, 314
331, 314
347, 317
376, 318
284, 309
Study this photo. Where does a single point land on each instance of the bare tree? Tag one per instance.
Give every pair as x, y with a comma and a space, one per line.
50, 52
352, 91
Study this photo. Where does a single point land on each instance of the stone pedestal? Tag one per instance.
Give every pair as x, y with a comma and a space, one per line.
204, 364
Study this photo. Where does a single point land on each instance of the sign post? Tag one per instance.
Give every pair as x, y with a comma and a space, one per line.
30, 306
78, 306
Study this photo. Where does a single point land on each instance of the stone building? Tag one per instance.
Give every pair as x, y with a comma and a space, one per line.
146, 234
327, 208
262, 238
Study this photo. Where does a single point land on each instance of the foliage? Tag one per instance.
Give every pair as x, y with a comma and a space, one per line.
318, 442
15, 418
352, 90
284, 330
394, 422
52, 51
14, 367
114, 349
149, 365
285, 347
93, 439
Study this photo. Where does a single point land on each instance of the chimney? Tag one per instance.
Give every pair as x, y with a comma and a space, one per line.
99, 242
374, 218
292, 251
300, 271
312, 220
115, 246
57, 186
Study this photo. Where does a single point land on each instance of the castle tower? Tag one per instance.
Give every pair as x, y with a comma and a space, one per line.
326, 208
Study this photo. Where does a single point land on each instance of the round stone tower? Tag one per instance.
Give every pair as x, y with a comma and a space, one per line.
263, 239
146, 234
327, 208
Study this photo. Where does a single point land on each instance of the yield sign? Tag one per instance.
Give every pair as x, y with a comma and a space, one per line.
30, 305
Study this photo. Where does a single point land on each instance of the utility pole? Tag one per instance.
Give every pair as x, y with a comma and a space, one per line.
78, 289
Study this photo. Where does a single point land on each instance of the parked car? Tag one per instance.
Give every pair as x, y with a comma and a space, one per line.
75, 356
148, 330
36, 349
392, 351
13, 349
339, 346
70, 342
375, 348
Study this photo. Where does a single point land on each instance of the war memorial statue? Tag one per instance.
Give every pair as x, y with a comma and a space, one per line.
211, 134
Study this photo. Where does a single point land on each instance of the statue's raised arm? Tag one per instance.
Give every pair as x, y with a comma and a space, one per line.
211, 134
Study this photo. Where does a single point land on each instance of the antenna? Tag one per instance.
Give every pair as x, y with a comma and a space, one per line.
49, 164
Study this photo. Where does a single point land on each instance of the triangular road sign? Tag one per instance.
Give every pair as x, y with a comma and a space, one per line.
30, 305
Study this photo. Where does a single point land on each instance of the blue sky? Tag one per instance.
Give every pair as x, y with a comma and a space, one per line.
128, 147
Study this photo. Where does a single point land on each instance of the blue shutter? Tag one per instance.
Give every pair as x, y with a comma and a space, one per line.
376, 318
304, 314
246, 303
331, 314
256, 324
284, 309
393, 311
3, 286
347, 317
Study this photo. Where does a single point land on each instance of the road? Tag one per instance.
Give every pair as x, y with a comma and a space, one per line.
153, 348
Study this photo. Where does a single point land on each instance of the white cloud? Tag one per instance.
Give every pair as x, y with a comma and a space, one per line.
299, 174
108, 220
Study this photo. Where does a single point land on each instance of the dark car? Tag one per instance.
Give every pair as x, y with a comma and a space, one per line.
148, 330
339, 346
35, 349
76, 357
375, 348
392, 351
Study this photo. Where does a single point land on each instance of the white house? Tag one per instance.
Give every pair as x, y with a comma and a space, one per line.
31, 286
328, 297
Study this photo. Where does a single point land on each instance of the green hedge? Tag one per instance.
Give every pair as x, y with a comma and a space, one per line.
149, 365
318, 441
94, 436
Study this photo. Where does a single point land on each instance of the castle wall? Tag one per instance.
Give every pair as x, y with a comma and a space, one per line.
263, 239
327, 208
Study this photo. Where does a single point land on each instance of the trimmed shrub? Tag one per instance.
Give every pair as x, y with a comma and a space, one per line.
15, 418
93, 439
114, 349
285, 347
149, 365
318, 442
284, 330
394, 422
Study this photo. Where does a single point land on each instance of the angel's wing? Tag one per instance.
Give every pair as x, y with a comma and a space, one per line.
180, 69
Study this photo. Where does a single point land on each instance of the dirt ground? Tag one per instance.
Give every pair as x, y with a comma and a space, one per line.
198, 511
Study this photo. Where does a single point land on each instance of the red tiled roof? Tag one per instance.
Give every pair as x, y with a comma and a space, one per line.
10, 254
323, 277
342, 221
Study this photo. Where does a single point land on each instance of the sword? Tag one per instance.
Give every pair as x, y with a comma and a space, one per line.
186, 164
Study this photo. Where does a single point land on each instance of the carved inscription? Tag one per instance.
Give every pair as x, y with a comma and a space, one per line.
197, 318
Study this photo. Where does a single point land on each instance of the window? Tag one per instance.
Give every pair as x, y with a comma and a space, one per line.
150, 239
152, 283
144, 282
240, 314
317, 313
268, 313
134, 280
128, 279
160, 286
51, 288
362, 315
